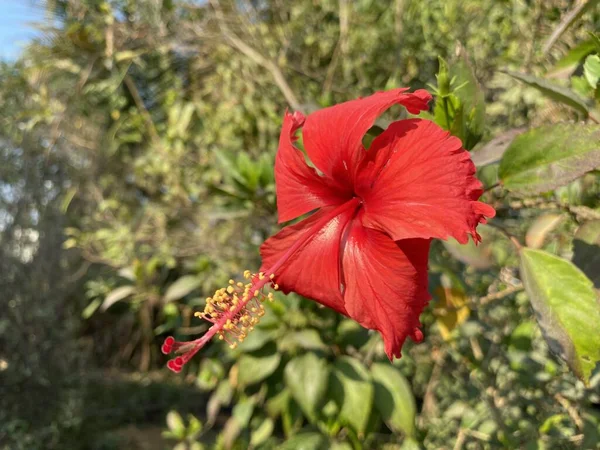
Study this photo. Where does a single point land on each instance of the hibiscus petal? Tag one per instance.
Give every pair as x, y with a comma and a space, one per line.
299, 188
333, 136
420, 182
314, 270
386, 284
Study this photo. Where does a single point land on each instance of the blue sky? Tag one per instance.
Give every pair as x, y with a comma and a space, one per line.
16, 29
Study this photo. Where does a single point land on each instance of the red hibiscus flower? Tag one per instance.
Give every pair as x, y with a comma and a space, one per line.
364, 249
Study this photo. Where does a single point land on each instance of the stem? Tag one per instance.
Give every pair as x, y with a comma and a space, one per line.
446, 112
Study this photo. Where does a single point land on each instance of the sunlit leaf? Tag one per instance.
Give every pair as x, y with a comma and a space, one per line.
91, 308
116, 295
307, 378
553, 91
262, 432
256, 366
394, 399
305, 441
567, 308
591, 70
550, 156
182, 287
569, 62
353, 391
540, 228
306, 339
476, 256
450, 310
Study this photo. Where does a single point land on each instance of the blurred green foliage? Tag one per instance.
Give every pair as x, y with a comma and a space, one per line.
137, 141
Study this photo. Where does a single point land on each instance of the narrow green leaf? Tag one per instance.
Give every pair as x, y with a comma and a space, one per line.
91, 308
540, 228
591, 70
353, 391
394, 399
307, 378
305, 441
182, 287
557, 93
116, 295
567, 308
569, 62
551, 156
242, 412
262, 432
175, 423
255, 367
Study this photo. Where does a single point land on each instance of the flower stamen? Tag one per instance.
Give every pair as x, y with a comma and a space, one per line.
234, 311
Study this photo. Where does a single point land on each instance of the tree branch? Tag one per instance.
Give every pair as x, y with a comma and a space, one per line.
258, 58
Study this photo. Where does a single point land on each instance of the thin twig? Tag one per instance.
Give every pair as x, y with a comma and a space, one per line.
341, 47
259, 59
565, 23
571, 410
499, 295
139, 103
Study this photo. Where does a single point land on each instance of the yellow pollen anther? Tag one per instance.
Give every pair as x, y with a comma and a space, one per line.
272, 276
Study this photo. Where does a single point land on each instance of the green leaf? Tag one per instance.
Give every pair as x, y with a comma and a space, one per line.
210, 373
256, 366
175, 424
472, 100
493, 151
476, 256
460, 105
117, 295
308, 339
557, 93
91, 308
256, 340
182, 287
569, 62
550, 156
262, 432
567, 308
242, 412
221, 396
276, 404
394, 399
305, 441
586, 250
540, 228
307, 378
591, 70
353, 391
